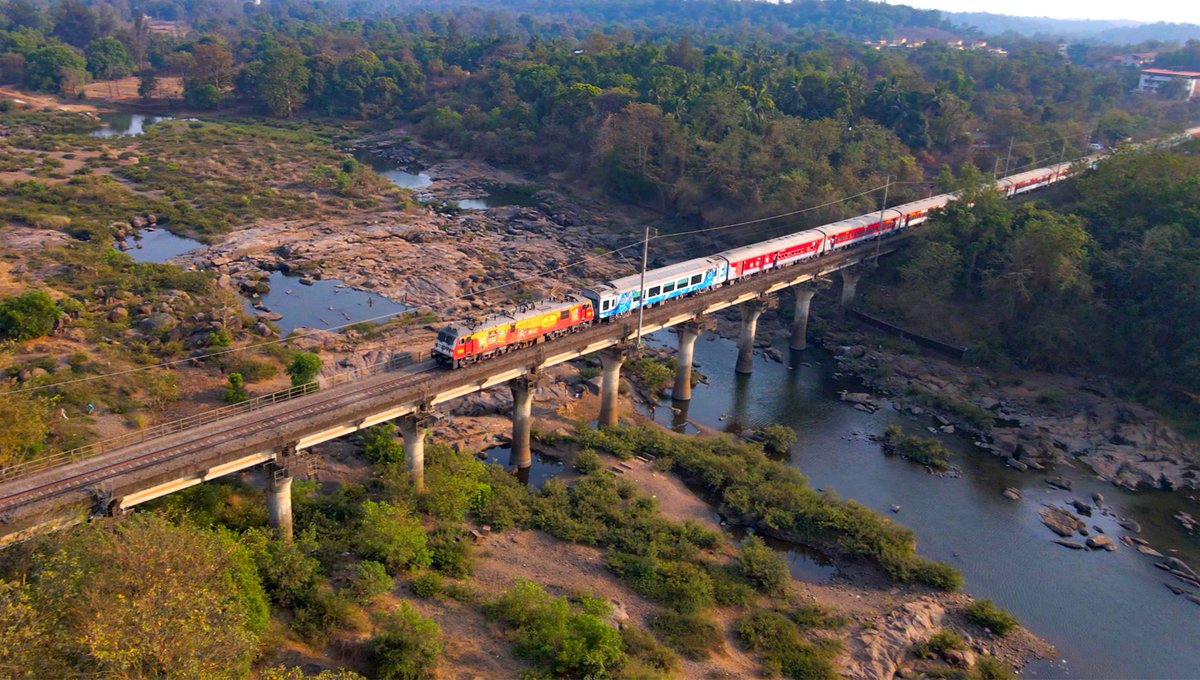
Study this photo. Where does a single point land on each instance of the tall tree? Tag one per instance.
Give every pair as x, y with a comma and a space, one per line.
277, 80
108, 59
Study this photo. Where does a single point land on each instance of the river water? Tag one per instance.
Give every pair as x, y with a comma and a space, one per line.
1109, 614
120, 124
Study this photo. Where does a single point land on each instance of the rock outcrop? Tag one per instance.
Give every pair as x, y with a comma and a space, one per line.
876, 653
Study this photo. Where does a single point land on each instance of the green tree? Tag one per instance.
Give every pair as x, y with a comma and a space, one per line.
54, 68
108, 59
408, 645
235, 390
762, 566
25, 419
29, 315
277, 80
147, 85
304, 369
139, 597
391, 534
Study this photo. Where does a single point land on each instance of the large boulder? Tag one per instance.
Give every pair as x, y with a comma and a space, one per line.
875, 653
1061, 521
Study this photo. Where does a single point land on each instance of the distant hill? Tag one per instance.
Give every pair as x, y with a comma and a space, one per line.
1117, 32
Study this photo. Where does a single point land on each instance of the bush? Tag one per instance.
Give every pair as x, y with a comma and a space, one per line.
776, 439
808, 616
370, 580
762, 566
924, 450
985, 613
451, 552
255, 370
729, 588
29, 315
767, 631
305, 368
380, 445
642, 646
427, 584
941, 642
320, 616
558, 637
991, 668
938, 575
408, 646
588, 461
390, 534
692, 635
235, 390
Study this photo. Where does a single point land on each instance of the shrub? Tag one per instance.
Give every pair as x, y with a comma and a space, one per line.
985, 613
370, 580
808, 616
765, 568
321, 615
380, 445
924, 450
588, 461
427, 584
560, 638
991, 668
305, 368
938, 574
729, 588
29, 315
451, 553
255, 370
776, 439
642, 646
766, 630
408, 646
692, 635
235, 390
941, 642
390, 534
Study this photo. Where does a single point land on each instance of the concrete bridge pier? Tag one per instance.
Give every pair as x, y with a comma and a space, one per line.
688, 332
750, 312
414, 428
804, 296
610, 384
850, 277
522, 421
279, 501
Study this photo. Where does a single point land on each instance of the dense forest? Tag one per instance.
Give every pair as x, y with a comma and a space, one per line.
698, 125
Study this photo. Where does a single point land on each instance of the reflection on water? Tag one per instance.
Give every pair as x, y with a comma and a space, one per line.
324, 304
117, 124
543, 467
1109, 614
159, 245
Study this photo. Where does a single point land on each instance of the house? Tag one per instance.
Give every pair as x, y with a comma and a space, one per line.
1153, 79
1135, 58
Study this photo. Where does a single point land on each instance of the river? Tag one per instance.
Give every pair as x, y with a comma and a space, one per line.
1109, 614
122, 124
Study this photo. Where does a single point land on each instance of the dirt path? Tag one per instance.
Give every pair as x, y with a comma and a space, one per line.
39, 100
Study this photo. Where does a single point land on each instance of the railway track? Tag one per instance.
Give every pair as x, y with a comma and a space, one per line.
290, 420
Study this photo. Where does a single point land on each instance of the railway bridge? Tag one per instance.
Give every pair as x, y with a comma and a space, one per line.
111, 477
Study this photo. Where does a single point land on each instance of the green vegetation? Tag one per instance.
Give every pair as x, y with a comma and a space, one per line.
26, 424
985, 613
925, 450
776, 439
762, 566
941, 642
776, 499
29, 315
100, 599
304, 369
571, 641
408, 645
785, 651
380, 445
653, 373
235, 389
695, 636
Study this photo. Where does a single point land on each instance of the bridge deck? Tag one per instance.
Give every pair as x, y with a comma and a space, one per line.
246, 439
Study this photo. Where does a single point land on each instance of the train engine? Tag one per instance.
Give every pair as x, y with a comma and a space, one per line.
467, 342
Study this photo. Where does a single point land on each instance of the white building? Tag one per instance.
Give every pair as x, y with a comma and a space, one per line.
1153, 78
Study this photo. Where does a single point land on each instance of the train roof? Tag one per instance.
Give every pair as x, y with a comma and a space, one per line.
671, 271
515, 314
930, 203
1036, 173
773, 244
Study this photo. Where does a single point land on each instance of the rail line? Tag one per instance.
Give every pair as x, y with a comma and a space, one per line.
291, 415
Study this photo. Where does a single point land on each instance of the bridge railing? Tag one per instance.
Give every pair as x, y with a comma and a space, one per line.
205, 417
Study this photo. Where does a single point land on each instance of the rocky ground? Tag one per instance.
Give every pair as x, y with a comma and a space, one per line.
1036, 419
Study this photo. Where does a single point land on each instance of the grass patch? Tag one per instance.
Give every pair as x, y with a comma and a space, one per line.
924, 450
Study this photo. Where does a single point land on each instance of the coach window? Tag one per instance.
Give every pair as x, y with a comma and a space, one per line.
697, 279
667, 288
654, 291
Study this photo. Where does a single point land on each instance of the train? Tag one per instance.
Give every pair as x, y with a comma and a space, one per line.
467, 342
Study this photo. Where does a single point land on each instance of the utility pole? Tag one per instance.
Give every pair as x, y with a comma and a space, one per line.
882, 208
642, 288
1008, 159
1062, 156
